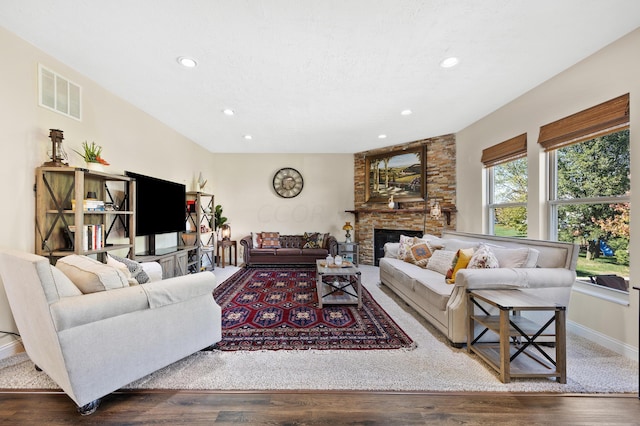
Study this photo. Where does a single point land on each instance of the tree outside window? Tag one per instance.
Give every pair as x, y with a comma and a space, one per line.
590, 202
508, 198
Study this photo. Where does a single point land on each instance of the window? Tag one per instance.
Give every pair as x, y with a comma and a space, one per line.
59, 94
507, 181
589, 177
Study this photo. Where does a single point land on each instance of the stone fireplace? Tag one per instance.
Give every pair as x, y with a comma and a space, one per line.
412, 218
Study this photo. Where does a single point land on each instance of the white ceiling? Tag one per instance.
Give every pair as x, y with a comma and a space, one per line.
318, 76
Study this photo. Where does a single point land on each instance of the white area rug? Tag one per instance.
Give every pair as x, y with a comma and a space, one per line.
433, 366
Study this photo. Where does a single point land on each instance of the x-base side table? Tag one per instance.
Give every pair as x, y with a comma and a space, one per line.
517, 354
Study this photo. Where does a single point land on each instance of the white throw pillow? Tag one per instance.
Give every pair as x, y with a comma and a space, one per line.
440, 261
516, 257
64, 286
91, 276
483, 258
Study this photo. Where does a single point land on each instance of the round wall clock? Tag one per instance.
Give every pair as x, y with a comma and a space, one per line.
288, 182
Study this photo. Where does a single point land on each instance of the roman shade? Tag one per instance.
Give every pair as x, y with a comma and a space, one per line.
503, 152
607, 117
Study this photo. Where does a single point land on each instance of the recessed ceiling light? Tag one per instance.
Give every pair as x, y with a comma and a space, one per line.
187, 62
383, 136
248, 137
228, 111
406, 112
449, 62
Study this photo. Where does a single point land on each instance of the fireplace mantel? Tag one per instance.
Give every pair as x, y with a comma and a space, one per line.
445, 210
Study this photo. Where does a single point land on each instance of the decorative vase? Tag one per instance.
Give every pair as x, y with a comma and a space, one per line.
96, 167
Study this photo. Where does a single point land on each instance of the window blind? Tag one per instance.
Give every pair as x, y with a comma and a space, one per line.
509, 150
602, 119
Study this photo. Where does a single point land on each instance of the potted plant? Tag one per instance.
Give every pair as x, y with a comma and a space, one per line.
92, 156
219, 220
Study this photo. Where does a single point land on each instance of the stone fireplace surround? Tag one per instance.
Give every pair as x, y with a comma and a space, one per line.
441, 186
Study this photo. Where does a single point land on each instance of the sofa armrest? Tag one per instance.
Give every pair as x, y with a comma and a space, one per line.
69, 312
247, 245
247, 242
331, 244
178, 289
515, 278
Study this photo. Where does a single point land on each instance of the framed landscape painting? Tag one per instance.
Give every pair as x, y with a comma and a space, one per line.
401, 173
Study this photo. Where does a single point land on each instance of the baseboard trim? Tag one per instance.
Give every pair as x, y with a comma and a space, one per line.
608, 342
10, 349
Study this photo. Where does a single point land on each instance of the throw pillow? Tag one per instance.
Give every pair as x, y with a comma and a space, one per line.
440, 261
405, 244
311, 240
483, 258
134, 268
419, 254
460, 261
256, 239
64, 285
270, 240
91, 276
516, 257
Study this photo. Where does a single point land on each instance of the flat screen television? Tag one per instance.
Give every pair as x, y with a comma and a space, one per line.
160, 205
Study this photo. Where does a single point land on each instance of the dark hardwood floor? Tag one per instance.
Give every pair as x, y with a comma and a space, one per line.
322, 408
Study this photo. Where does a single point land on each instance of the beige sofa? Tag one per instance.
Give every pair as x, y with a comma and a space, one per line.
94, 341
550, 273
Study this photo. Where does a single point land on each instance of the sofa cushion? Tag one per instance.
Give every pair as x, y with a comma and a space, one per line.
524, 257
270, 240
263, 251
91, 276
315, 252
483, 258
440, 261
431, 286
460, 261
288, 252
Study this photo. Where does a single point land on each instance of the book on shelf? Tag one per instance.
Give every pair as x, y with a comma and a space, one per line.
93, 237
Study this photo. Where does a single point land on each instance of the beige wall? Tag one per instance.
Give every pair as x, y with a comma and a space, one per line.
242, 184
607, 74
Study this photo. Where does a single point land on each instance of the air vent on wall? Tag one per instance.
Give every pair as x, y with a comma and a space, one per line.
59, 94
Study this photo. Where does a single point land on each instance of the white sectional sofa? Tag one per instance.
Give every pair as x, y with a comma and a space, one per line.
546, 268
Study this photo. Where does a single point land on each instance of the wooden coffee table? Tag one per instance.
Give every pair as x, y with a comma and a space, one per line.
338, 285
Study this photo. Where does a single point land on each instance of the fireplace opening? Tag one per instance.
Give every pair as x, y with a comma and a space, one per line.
383, 236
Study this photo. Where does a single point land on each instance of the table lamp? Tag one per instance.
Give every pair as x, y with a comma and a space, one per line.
226, 232
347, 227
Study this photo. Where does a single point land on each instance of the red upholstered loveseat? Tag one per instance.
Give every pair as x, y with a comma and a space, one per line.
292, 250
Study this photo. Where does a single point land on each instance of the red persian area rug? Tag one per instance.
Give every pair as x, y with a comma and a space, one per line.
277, 308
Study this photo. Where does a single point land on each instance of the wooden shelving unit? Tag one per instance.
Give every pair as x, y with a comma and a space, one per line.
62, 229
200, 235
